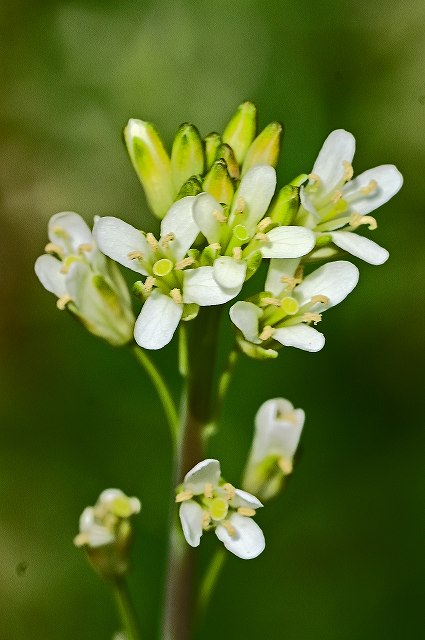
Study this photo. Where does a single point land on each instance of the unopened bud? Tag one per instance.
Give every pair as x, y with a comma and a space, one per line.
218, 183
192, 187
285, 207
265, 148
187, 155
152, 165
226, 152
240, 132
211, 143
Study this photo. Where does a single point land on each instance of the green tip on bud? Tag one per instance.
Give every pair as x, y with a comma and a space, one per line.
152, 164
211, 143
226, 153
240, 132
187, 155
265, 148
190, 188
286, 205
218, 182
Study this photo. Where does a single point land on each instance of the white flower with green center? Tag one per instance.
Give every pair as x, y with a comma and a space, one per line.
207, 503
241, 235
278, 428
291, 304
84, 281
171, 287
335, 205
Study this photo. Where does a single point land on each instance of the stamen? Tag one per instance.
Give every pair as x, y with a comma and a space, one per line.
229, 527
176, 295
320, 298
312, 317
54, 248
208, 490
266, 333
186, 262
261, 236
274, 302
152, 241
337, 195
135, 255
150, 282
356, 220
183, 496
85, 248
240, 205
165, 241
314, 178
229, 490
291, 282
263, 224
285, 465
348, 170
206, 520
219, 216
215, 246
237, 253
246, 511
63, 301
370, 188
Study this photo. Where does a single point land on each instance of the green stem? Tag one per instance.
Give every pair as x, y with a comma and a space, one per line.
224, 382
161, 388
126, 610
209, 581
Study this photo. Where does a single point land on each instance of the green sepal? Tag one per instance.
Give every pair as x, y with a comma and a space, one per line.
218, 182
211, 143
322, 241
208, 255
265, 148
191, 187
286, 205
253, 264
187, 155
190, 311
240, 132
255, 351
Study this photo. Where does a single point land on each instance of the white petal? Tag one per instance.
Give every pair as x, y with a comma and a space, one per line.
389, 180
99, 536
179, 221
229, 273
203, 212
338, 147
280, 268
205, 472
300, 336
47, 269
334, 280
245, 499
288, 242
245, 316
109, 495
278, 428
247, 542
360, 247
255, 191
200, 286
69, 231
87, 519
116, 239
307, 203
157, 321
191, 519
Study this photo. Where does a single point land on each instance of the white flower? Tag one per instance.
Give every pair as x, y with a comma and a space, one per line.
84, 281
333, 204
295, 303
278, 428
207, 502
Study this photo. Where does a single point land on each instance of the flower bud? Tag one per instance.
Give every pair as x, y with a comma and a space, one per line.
240, 131
192, 187
211, 142
226, 152
286, 205
265, 148
152, 165
187, 155
106, 532
218, 182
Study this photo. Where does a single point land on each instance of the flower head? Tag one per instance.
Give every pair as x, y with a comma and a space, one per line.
84, 281
278, 428
207, 502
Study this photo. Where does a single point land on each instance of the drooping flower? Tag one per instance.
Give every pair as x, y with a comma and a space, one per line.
85, 282
284, 313
334, 205
207, 503
278, 428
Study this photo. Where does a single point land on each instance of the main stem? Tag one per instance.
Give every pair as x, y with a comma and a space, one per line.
197, 413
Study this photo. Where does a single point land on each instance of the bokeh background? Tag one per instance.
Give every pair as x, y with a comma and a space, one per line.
344, 555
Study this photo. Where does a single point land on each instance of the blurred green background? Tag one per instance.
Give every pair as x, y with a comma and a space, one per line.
344, 557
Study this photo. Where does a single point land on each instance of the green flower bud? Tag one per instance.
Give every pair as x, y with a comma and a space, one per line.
190, 188
211, 142
240, 131
187, 155
152, 165
226, 152
286, 205
218, 183
265, 148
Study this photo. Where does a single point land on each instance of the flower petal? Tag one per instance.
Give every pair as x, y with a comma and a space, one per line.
245, 499
334, 280
288, 242
68, 230
339, 147
200, 286
248, 540
204, 208
47, 269
191, 515
389, 181
245, 316
205, 472
117, 239
179, 221
229, 273
254, 194
280, 268
300, 336
278, 429
157, 321
360, 247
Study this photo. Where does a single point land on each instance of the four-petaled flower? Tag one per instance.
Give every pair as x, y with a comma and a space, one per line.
208, 502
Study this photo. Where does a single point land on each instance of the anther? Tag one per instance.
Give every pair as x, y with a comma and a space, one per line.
263, 224
152, 241
53, 248
63, 301
206, 520
240, 205
314, 178
135, 255
229, 490
274, 302
291, 282
208, 490
149, 283
356, 220
165, 241
237, 253
337, 195
176, 295
312, 317
266, 333
285, 465
219, 216
370, 188
348, 170
229, 527
85, 248
246, 511
186, 262
262, 237
183, 496
215, 246
320, 298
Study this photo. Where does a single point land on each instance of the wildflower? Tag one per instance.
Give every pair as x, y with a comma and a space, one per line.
207, 503
84, 281
278, 428
334, 205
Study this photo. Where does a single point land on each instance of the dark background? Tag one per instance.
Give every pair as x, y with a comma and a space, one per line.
344, 556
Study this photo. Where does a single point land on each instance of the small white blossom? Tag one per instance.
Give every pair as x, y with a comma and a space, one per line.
335, 205
278, 428
85, 282
207, 502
